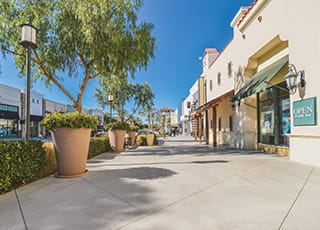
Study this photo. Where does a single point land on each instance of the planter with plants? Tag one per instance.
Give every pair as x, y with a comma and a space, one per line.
132, 134
71, 138
116, 132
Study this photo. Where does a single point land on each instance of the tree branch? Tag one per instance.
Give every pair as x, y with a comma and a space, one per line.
83, 85
50, 76
96, 75
86, 65
13, 52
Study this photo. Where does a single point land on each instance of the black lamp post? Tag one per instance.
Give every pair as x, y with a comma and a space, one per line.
28, 40
110, 99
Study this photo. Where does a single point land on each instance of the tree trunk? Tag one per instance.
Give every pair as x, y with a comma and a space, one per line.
78, 106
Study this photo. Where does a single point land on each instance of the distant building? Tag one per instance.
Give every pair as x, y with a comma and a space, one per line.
98, 113
10, 111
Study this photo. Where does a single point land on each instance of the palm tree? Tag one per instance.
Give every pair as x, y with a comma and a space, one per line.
149, 111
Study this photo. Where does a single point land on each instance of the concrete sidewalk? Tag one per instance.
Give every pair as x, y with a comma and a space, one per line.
178, 185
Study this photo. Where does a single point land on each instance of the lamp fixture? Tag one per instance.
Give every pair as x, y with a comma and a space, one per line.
291, 79
110, 98
28, 35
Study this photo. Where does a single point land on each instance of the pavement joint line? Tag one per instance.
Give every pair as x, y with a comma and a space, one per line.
188, 196
21, 212
110, 193
296, 198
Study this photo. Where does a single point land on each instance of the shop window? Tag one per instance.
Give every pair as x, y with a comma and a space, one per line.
10, 108
220, 124
219, 78
229, 69
230, 123
8, 128
274, 115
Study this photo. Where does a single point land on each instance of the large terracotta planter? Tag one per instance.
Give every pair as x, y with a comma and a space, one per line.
71, 148
132, 135
116, 139
150, 139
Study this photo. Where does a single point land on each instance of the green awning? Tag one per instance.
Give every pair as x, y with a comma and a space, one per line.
260, 80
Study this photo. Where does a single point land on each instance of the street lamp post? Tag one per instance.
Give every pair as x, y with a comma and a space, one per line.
110, 99
28, 40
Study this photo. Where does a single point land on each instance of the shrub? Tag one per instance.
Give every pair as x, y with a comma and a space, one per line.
69, 120
98, 145
134, 128
119, 125
141, 140
20, 161
51, 163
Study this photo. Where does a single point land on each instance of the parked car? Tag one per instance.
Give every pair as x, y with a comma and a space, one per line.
98, 133
141, 131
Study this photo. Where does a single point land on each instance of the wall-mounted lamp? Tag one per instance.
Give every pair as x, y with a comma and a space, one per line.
291, 79
234, 102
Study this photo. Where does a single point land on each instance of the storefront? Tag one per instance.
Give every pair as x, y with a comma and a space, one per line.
270, 99
274, 115
9, 117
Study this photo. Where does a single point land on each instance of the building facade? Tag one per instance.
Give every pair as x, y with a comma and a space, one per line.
269, 39
10, 111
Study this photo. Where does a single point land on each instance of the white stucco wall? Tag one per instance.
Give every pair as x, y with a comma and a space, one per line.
52, 106
10, 95
299, 24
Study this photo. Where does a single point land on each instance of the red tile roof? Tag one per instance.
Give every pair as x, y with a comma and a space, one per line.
166, 110
210, 50
247, 12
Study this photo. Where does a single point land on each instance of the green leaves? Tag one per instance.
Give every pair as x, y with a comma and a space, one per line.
98, 38
126, 95
20, 161
119, 125
69, 120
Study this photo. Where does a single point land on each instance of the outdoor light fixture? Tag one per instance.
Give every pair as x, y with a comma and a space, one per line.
28, 40
291, 79
234, 102
110, 99
28, 35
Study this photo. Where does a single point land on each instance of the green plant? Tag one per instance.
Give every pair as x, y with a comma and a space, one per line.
134, 128
69, 120
119, 125
75, 36
98, 145
20, 162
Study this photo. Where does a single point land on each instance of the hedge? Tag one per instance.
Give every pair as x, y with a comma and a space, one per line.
19, 162
98, 145
22, 162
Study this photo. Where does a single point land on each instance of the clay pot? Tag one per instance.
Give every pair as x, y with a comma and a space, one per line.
132, 135
71, 149
116, 139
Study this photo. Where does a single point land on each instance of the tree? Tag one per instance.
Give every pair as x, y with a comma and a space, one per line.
150, 112
128, 98
108, 118
86, 39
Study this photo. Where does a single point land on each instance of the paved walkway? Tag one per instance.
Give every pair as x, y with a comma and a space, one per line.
178, 185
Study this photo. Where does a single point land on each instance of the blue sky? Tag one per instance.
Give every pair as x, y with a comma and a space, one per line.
183, 29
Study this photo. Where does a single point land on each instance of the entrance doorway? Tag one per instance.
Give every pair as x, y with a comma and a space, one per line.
214, 126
